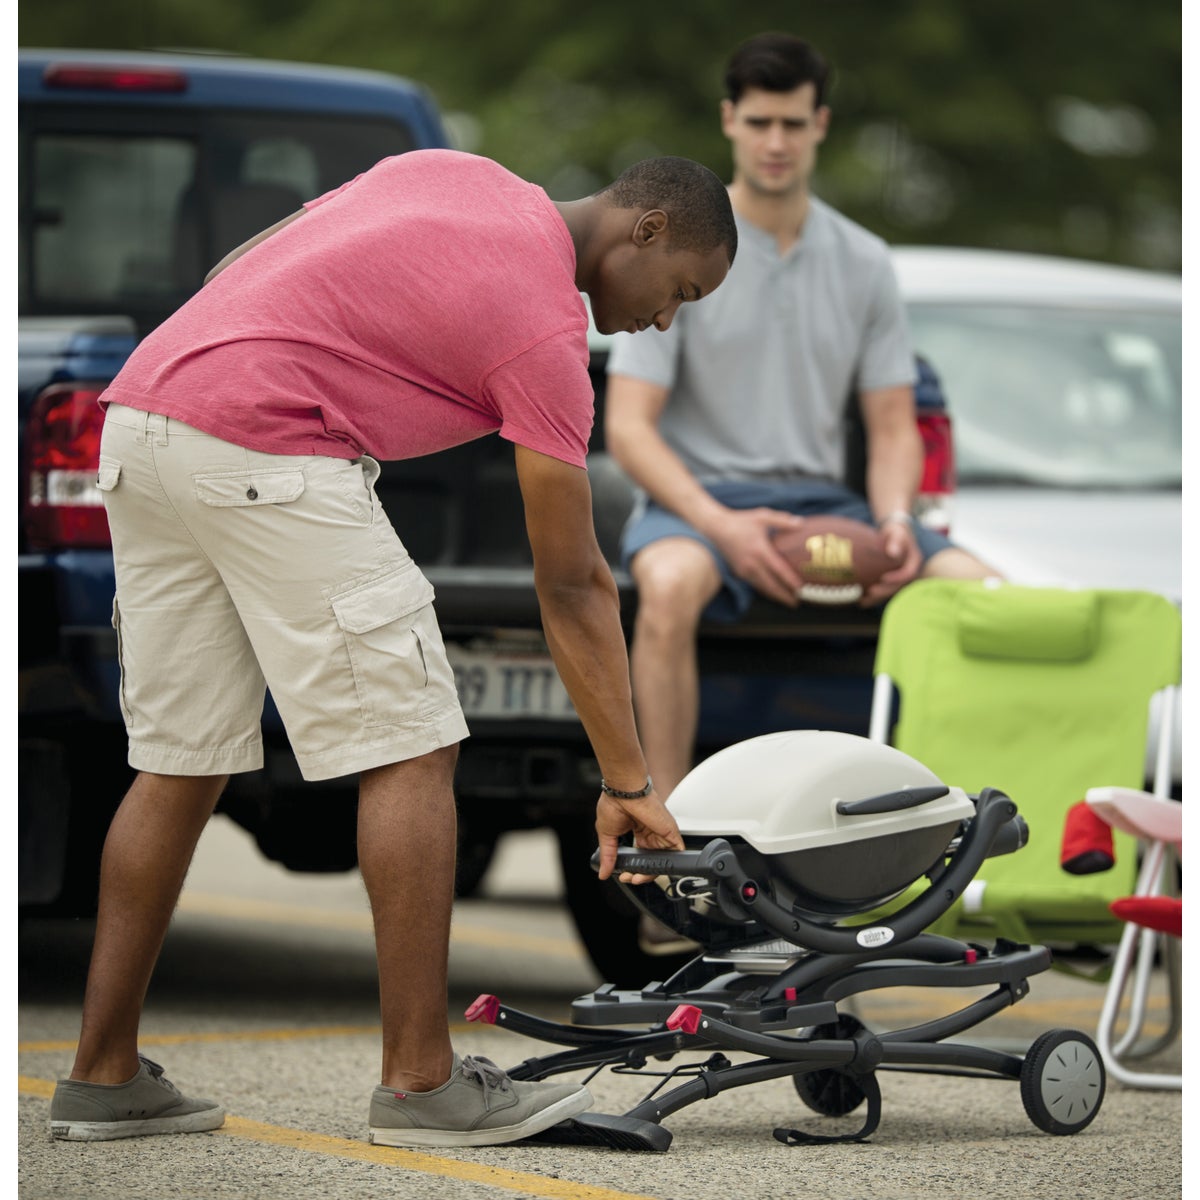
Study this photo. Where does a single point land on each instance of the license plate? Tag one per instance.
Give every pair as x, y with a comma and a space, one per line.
502, 679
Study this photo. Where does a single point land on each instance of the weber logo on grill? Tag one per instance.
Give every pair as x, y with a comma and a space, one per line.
878, 935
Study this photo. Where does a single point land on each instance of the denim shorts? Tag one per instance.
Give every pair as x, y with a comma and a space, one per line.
237, 571
651, 522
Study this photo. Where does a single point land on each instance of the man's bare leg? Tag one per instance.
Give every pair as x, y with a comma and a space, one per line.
676, 578
956, 563
406, 849
146, 858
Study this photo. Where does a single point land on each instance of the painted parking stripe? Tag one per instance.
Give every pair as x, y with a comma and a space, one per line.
523, 1182
244, 1035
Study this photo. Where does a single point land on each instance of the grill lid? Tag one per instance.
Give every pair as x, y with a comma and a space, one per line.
781, 792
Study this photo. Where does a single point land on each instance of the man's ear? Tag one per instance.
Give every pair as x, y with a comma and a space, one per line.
728, 112
650, 226
822, 122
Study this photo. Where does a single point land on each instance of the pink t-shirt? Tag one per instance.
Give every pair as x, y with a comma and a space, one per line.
427, 302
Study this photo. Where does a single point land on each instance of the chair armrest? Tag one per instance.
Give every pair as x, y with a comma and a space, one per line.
1138, 813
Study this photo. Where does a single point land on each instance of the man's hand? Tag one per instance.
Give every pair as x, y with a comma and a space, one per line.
899, 541
744, 538
652, 826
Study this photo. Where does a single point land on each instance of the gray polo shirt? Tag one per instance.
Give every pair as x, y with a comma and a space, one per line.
761, 370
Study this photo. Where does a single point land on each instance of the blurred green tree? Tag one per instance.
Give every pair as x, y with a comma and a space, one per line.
1021, 125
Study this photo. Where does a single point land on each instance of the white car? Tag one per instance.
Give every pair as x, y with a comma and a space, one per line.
1063, 380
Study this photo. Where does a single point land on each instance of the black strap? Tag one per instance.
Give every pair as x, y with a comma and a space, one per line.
870, 1088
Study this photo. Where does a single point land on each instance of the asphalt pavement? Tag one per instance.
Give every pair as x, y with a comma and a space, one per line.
265, 1000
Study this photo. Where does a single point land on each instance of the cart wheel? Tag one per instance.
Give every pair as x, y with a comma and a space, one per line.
828, 1091
1062, 1081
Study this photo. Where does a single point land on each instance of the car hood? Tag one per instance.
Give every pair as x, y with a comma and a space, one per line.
1062, 538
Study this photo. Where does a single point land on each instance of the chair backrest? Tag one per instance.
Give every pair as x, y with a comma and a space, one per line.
1043, 693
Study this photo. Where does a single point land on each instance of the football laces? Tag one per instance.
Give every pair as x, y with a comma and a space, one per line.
827, 593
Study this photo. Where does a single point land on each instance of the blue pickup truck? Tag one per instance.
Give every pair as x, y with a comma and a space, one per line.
138, 172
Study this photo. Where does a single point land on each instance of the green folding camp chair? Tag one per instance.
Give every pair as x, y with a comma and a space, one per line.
1043, 693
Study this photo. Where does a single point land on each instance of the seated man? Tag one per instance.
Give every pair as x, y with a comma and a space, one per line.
731, 422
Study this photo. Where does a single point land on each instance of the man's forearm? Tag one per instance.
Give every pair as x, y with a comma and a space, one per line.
894, 474
583, 630
895, 451
651, 463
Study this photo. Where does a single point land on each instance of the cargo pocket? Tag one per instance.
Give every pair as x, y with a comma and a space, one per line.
242, 489
380, 620
108, 474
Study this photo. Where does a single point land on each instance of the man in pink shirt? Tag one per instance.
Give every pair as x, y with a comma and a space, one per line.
432, 300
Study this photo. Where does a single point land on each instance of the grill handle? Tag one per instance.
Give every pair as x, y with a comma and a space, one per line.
892, 801
701, 863
1010, 837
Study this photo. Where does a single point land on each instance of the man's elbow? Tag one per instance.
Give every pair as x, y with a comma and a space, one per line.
566, 585
621, 435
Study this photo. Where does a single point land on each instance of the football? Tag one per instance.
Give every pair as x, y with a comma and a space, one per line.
837, 557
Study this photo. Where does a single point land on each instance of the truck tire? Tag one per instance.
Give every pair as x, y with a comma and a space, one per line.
606, 919
476, 849
75, 776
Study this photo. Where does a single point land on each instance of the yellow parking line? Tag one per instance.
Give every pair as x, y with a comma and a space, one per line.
526, 1183
207, 904
248, 1035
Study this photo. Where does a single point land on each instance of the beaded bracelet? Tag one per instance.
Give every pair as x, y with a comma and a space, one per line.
617, 794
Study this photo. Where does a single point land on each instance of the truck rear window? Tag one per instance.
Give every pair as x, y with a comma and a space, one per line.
125, 212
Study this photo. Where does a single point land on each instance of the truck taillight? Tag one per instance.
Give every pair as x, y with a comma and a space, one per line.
105, 78
932, 504
64, 507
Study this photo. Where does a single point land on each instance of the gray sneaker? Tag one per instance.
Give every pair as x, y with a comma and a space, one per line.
148, 1103
477, 1106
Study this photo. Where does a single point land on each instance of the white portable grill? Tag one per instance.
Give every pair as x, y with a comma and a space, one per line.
801, 851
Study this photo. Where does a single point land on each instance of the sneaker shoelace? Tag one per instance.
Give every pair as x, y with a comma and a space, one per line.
156, 1073
485, 1072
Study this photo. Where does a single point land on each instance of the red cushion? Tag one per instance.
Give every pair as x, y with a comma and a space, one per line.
1163, 913
1087, 843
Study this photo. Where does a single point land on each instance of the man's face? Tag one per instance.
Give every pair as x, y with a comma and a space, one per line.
643, 282
775, 136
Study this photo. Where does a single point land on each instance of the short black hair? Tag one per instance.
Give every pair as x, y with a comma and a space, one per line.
776, 62
693, 197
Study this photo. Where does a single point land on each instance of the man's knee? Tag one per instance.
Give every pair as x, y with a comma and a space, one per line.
434, 768
956, 563
676, 578
200, 790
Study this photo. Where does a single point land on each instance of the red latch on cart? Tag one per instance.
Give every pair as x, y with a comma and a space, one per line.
484, 1008
686, 1017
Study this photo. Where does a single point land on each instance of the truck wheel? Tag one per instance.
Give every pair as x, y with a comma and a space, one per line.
476, 849
606, 919
74, 776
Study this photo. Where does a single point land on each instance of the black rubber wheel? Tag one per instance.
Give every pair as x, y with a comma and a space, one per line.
1062, 1081
828, 1091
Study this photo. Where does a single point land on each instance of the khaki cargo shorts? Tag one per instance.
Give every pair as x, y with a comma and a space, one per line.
238, 571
